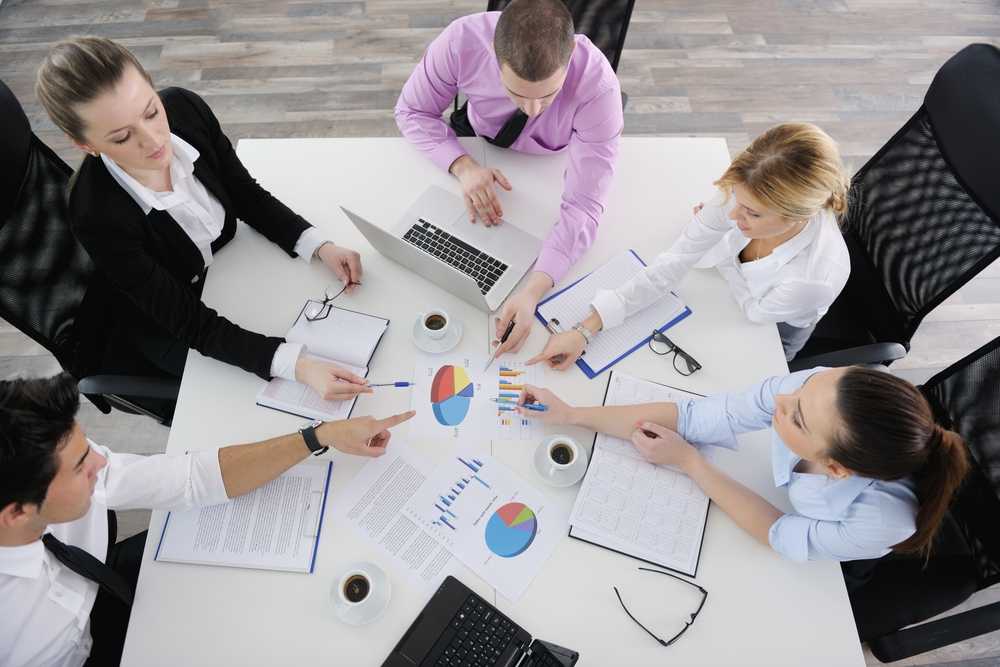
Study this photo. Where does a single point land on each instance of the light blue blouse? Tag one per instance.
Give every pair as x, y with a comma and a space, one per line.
834, 519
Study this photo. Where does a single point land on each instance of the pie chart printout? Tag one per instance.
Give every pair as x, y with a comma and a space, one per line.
451, 395
511, 530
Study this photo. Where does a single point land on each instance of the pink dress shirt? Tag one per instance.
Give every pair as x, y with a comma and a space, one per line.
586, 116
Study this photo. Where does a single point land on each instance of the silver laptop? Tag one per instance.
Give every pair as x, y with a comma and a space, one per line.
435, 239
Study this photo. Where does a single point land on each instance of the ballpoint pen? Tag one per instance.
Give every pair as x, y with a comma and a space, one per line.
400, 383
538, 407
503, 339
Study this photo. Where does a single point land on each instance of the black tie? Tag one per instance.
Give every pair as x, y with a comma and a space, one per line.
88, 567
510, 131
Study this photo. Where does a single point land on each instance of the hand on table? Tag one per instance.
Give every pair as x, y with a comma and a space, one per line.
361, 436
561, 351
329, 380
344, 262
477, 185
661, 445
520, 307
558, 411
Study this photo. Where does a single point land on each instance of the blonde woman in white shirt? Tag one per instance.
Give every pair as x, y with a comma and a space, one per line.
771, 232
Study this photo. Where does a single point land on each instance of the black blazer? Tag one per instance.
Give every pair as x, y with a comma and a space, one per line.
148, 269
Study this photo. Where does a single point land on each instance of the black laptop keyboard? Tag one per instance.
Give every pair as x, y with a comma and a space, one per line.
485, 270
477, 636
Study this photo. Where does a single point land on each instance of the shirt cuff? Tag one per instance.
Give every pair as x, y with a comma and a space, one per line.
206, 478
309, 242
552, 262
789, 536
610, 307
283, 362
446, 153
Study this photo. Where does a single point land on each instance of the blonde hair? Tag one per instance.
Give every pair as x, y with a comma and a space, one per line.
75, 72
794, 169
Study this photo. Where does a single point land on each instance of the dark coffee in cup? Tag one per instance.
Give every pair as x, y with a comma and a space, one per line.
561, 453
356, 588
435, 322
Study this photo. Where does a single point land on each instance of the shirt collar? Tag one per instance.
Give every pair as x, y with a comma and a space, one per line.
22, 561
835, 494
181, 167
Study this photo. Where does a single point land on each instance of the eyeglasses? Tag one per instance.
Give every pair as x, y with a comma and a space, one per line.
661, 345
316, 310
687, 624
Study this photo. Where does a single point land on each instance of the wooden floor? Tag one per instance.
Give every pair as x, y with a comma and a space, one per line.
730, 68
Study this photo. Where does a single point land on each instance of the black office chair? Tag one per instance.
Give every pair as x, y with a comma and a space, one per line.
923, 217
44, 272
966, 556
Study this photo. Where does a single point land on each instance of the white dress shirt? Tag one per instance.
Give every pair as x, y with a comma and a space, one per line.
795, 284
832, 519
201, 216
44, 606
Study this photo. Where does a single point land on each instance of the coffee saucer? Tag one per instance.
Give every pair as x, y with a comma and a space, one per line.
439, 345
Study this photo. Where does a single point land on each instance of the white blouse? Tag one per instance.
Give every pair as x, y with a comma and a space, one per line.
795, 284
201, 216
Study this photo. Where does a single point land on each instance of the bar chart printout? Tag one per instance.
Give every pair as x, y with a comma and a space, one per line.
489, 518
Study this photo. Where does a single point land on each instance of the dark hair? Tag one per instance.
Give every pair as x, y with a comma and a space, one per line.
75, 72
888, 432
534, 38
36, 418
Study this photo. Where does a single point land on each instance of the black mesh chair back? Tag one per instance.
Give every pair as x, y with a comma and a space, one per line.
905, 590
924, 212
966, 399
43, 270
604, 22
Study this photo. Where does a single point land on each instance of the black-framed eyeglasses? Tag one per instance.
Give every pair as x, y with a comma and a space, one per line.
662, 345
687, 624
320, 310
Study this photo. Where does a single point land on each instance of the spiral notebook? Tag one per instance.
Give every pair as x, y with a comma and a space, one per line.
345, 337
572, 304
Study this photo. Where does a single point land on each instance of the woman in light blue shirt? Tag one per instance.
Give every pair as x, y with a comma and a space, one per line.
867, 469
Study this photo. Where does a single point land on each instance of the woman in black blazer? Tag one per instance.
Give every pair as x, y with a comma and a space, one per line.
156, 197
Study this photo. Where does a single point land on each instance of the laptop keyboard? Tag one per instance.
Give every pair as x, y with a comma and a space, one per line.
485, 270
479, 635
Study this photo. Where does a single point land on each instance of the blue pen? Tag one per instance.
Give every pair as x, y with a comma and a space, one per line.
537, 407
401, 383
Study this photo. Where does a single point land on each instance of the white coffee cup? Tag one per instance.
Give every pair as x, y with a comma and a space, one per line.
560, 461
361, 593
434, 324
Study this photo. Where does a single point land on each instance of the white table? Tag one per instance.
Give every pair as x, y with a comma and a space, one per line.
760, 609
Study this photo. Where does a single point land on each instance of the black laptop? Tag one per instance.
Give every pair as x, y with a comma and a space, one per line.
457, 628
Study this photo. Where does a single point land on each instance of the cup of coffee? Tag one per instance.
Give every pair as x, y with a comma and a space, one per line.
560, 461
434, 324
361, 593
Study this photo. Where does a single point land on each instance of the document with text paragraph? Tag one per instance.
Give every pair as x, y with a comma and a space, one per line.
275, 527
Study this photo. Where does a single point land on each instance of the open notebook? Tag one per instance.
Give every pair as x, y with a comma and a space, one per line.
346, 338
572, 304
651, 512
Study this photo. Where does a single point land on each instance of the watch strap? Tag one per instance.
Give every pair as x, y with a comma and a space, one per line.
312, 441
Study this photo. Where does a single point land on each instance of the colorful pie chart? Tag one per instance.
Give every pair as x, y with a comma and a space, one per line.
451, 395
511, 530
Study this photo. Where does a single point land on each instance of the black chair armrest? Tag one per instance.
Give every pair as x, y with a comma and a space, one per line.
871, 354
135, 386
935, 634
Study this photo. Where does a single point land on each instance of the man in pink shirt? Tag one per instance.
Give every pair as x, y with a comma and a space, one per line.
534, 86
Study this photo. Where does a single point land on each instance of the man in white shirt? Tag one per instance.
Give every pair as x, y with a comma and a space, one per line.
65, 593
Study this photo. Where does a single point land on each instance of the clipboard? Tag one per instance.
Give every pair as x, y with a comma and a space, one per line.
583, 363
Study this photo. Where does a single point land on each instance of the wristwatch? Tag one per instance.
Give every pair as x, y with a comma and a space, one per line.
584, 331
312, 442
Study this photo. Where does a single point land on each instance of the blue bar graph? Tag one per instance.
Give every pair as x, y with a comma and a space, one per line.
480, 480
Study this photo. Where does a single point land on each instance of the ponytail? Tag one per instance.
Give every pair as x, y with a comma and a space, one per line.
889, 432
937, 481
838, 198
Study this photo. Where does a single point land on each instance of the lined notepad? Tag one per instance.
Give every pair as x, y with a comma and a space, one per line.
572, 305
346, 338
